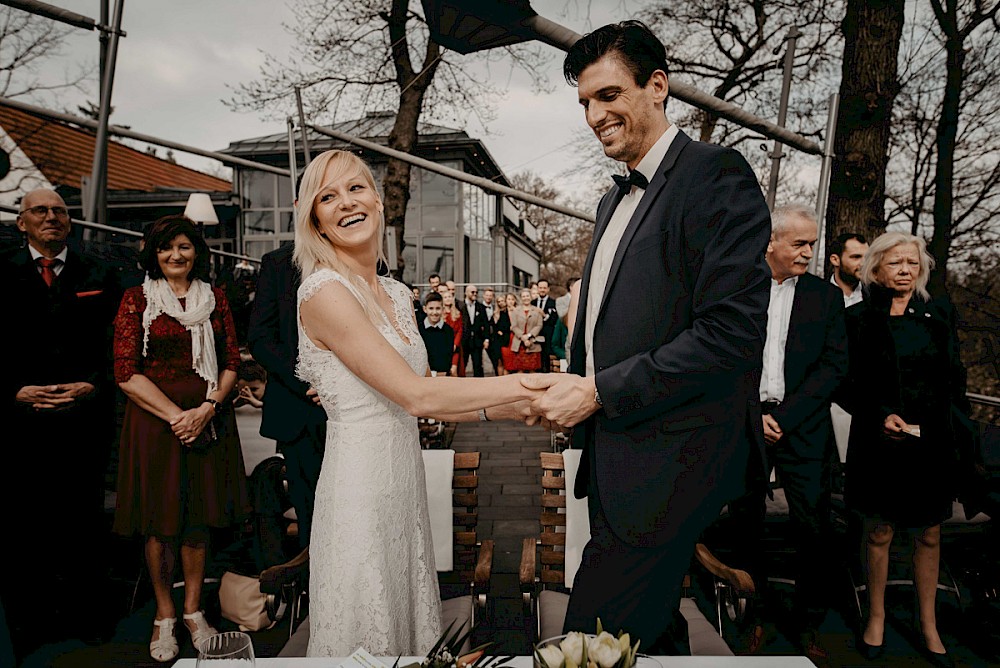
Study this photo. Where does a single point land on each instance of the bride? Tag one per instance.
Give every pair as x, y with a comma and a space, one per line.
372, 578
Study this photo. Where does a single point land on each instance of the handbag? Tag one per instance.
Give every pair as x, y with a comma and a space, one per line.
243, 603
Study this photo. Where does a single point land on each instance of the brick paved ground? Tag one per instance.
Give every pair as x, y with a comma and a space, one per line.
509, 507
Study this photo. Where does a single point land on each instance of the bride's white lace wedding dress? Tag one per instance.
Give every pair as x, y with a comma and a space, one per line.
372, 581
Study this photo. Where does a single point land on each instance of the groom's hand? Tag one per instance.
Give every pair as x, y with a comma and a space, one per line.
568, 398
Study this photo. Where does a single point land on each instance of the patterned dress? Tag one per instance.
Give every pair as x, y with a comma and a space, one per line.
165, 487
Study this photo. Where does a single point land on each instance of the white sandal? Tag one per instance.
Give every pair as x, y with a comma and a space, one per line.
202, 629
165, 647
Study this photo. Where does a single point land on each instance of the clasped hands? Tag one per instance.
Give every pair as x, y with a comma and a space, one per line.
53, 397
559, 400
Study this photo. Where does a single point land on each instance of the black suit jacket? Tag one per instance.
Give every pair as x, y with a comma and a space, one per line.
57, 335
551, 315
815, 365
273, 337
473, 334
677, 345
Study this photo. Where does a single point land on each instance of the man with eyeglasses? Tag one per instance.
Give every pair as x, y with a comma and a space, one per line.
58, 414
476, 329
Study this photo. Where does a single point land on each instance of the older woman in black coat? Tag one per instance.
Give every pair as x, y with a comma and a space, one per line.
907, 397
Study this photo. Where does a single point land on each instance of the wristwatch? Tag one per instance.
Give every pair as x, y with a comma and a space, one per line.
215, 404
597, 397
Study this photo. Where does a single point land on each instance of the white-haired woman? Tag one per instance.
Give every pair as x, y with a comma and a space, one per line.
372, 577
906, 392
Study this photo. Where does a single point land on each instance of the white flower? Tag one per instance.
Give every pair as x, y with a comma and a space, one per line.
605, 650
572, 647
552, 656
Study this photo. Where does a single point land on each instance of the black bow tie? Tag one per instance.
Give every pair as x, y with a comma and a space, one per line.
634, 178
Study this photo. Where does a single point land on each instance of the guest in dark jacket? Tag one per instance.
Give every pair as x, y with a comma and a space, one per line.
439, 337
906, 392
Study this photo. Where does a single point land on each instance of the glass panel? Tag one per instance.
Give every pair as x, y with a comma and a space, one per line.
410, 270
438, 256
436, 189
258, 248
257, 189
285, 196
479, 261
440, 218
258, 222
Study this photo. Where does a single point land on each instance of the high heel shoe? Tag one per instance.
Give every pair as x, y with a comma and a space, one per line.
202, 629
938, 660
870, 652
164, 648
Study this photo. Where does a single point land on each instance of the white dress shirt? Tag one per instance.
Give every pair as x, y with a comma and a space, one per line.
470, 307
779, 314
58, 266
854, 297
604, 257
428, 325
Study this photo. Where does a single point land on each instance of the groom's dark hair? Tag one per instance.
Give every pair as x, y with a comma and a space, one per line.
631, 41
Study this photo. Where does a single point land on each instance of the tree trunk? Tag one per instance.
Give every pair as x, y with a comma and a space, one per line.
403, 137
868, 89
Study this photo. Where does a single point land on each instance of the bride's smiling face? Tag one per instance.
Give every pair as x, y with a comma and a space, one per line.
347, 209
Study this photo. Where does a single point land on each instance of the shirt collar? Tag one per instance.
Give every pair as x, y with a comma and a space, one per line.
63, 254
428, 325
647, 166
790, 281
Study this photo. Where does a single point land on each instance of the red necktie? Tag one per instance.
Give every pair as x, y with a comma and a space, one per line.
48, 273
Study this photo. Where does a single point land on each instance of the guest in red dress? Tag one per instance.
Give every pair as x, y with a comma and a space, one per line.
453, 317
176, 358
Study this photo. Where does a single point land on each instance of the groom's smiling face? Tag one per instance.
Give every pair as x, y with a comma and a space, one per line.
626, 118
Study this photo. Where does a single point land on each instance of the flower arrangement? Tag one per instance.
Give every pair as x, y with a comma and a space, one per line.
581, 650
445, 653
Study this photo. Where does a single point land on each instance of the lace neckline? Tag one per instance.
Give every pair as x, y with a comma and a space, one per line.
393, 319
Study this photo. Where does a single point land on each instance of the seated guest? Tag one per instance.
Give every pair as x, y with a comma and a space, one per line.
906, 393
439, 338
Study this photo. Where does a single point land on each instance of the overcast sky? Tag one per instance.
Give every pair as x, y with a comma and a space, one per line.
174, 66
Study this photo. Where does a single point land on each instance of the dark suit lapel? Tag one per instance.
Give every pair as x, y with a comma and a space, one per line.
652, 193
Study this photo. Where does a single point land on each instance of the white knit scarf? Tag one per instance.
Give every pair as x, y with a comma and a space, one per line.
196, 318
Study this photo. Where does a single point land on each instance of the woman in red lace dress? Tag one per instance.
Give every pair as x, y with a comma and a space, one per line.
453, 317
175, 359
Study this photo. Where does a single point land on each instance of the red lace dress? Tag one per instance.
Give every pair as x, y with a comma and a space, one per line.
165, 487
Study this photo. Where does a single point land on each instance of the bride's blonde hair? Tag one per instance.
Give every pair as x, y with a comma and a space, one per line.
312, 250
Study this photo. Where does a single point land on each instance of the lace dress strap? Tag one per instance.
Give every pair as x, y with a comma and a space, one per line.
315, 281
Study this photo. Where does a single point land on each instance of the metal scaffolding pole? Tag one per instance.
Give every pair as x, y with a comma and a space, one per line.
786, 84
98, 195
819, 253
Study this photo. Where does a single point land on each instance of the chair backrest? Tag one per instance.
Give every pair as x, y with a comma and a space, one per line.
552, 541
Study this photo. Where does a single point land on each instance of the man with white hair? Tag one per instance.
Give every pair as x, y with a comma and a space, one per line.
805, 359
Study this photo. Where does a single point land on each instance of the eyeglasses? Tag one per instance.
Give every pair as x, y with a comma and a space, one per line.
40, 211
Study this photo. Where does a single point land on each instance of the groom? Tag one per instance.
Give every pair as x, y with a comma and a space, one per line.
663, 379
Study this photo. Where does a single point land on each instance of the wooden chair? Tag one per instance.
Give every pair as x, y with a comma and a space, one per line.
465, 588
543, 577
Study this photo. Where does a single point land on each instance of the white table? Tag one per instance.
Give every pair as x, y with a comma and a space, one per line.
525, 662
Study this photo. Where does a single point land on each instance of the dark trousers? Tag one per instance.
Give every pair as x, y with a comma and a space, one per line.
546, 354
635, 589
474, 349
303, 461
806, 484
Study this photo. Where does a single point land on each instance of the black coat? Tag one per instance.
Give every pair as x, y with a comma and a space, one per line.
273, 338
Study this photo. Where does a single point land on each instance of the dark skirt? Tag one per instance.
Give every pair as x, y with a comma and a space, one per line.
165, 487
909, 483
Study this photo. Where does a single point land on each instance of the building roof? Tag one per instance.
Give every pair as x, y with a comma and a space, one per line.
433, 142
64, 153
